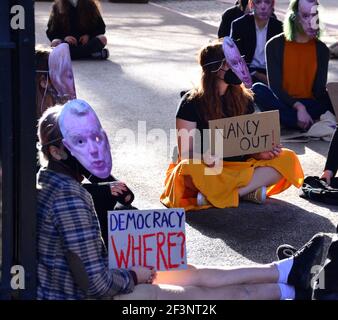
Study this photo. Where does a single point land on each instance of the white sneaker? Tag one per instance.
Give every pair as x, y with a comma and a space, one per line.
201, 200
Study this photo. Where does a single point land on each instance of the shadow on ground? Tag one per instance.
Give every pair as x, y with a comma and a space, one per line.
253, 231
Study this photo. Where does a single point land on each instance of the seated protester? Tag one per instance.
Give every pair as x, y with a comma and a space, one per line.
297, 64
251, 177
252, 31
331, 164
69, 235
80, 24
239, 9
55, 85
72, 258
54, 77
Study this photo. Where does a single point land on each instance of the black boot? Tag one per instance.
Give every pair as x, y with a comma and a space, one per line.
327, 279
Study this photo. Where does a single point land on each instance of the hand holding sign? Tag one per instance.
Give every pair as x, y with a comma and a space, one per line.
268, 155
144, 274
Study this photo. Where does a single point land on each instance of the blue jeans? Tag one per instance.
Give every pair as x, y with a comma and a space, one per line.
266, 100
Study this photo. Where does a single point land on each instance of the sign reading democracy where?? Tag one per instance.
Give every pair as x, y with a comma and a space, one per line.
153, 238
245, 134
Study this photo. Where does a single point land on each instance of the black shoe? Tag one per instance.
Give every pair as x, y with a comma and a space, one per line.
332, 253
303, 294
101, 55
285, 251
327, 282
304, 259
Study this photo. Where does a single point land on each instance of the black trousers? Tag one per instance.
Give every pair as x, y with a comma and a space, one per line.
85, 51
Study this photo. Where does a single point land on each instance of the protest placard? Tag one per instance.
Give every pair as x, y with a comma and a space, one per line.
332, 89
153, 238
245, 134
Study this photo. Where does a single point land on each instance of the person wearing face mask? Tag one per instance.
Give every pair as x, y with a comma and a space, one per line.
239, 9
297, 64
54, 77
253, 177
252, 31
78, 23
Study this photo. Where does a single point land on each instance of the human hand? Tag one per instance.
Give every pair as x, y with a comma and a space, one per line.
71, 40
304, 119
117, 187
211, 160
268, 155
260, 76
327, 175
84, 39
144, 274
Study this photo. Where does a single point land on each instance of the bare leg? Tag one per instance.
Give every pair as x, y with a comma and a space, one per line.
263, 176
218, 277
267, 291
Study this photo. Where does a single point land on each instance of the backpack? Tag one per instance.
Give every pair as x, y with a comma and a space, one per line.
318, 190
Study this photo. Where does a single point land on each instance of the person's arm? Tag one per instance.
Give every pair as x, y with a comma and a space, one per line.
274, 51
83, 248
99, 27
331, 164
323, 55
185, 138
224, 27
53, 30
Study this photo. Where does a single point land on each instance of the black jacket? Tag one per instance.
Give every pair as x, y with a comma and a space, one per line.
243, 32
228, 16
55, 29
274, 51
332, 157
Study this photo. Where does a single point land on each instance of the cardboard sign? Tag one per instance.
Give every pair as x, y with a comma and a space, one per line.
147, 238
332, 89
245, 134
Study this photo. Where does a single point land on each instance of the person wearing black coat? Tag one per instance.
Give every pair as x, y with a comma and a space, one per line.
80, 24
231, 14
251, 33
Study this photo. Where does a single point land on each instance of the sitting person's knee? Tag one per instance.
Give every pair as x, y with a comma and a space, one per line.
103, 39
55, 42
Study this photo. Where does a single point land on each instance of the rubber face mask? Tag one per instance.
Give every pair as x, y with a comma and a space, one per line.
236, 62
73, 3
61, 73
84, 137
263, 9
308, 18
231, 78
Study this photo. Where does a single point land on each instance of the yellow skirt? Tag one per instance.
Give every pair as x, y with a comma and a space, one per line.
221, 189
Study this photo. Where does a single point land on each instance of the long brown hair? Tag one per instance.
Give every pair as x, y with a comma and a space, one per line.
236, 98
43, 97
89, 13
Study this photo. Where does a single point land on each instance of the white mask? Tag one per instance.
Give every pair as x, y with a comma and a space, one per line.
73, 3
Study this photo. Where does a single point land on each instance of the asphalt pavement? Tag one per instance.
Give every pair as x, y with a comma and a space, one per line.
135, 93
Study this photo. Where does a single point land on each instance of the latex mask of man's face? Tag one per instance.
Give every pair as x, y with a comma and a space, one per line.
236, 62
84, 137
308, 17
61, 72
263, 9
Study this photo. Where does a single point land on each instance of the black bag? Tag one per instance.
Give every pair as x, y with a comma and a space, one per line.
318, 190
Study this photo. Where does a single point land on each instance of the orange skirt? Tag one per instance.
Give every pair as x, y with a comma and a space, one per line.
221, 189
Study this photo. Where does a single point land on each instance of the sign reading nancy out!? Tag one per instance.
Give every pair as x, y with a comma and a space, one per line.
153, 238
245, 134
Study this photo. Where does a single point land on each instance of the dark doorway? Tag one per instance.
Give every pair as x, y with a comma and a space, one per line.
17, 150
